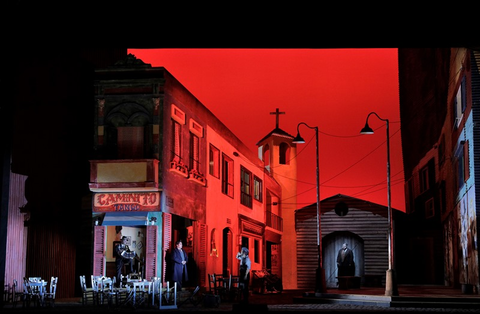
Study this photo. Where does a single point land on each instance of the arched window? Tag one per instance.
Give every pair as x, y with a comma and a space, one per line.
284, 155
266, 156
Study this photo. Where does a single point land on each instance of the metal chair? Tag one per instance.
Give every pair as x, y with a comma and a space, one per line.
88, 293
33, 291
193, 299
168, 297
49, 296
154, 289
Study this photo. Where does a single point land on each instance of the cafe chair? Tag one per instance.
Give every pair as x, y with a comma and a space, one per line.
211, 283
234, 291
154, 289
49, 296
27, 293
15, 294
88, 293
193, 299
168, 297
33, 290
221, 284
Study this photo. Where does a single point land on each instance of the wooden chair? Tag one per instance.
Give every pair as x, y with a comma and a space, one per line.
16, 294
221, 285
234, 290
88, 293
49, 296
211, 283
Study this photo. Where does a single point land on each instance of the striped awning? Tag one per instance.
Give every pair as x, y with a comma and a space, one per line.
125, 219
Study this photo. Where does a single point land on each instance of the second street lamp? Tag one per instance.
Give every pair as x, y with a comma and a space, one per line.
390, 280
320, 285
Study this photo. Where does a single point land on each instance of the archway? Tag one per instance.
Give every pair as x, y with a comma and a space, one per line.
331, 243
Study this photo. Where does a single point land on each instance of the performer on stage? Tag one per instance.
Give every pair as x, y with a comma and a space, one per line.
123, 256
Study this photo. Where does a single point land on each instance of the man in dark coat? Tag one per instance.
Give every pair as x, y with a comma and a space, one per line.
345, 263
179, 261
123, 256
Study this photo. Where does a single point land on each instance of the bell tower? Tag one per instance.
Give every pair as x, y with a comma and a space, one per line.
278, 153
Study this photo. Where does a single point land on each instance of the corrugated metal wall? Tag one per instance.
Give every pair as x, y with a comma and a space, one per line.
367, 226
16, 231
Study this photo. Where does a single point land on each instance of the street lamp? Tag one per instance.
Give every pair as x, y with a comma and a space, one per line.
390, 281
320, 285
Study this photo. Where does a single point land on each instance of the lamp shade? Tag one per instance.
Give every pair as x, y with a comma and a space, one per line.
298, 139
366, 129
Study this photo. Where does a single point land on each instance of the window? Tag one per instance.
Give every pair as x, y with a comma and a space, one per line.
460, 103
284, 154
245, 187
178, 119
177, 141
257, 189
466, 161
424, 184
256, 249
214, 161
130, 142
462, 160
196, 132
266, 156
194, 152
227, 175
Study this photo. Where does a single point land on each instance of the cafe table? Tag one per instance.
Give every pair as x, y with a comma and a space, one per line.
137, 290
37, 290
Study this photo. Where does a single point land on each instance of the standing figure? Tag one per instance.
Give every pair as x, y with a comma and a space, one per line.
345, 263
244, 278
123, 256
179, 260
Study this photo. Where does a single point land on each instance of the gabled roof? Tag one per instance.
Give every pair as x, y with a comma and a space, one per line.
276, 132
329, 204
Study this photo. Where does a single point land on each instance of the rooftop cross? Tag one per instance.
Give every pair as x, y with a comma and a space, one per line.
277, 113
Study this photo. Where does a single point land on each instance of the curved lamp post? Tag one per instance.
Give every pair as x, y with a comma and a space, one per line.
390, 282
320, 285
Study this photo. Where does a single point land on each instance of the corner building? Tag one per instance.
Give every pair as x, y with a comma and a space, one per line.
166, 169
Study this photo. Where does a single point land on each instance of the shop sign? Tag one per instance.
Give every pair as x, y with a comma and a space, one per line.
126, 202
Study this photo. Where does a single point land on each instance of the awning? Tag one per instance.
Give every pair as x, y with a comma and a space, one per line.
125, 219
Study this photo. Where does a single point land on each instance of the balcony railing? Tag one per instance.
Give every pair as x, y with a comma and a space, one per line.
274, 221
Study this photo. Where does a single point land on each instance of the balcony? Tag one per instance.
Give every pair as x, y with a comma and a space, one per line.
123, 175
273, 221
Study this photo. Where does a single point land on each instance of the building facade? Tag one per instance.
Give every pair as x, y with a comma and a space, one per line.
439, 99
167, 169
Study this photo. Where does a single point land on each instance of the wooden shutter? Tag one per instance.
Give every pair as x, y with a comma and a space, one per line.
99, 251
466, 162
167, 240
200, 233
151, 252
